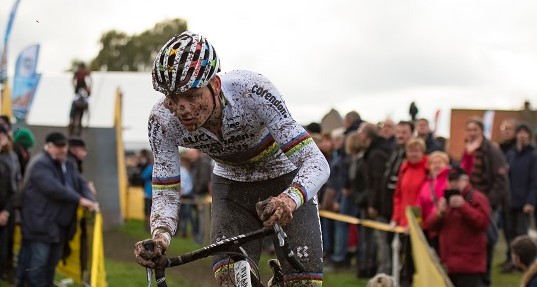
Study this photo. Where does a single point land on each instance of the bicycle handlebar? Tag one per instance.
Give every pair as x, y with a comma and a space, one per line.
224, 245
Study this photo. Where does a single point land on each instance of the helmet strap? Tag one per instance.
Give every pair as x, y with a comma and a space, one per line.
214, 97
210, 87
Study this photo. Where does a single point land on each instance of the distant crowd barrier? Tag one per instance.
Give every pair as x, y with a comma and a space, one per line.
364, 222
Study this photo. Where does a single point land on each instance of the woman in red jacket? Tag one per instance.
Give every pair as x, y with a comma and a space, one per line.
411, 177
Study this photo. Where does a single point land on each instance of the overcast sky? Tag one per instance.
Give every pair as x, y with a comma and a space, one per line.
350, 55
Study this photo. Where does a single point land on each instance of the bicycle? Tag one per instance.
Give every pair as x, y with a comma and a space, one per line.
245, 276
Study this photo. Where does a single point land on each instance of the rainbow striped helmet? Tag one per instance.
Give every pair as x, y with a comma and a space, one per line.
186, 61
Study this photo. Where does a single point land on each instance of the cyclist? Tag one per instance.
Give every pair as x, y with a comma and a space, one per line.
267, 168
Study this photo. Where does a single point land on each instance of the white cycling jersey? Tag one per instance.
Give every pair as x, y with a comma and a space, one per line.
260, 141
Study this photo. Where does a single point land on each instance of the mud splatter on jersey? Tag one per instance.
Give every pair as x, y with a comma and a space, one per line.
260, 140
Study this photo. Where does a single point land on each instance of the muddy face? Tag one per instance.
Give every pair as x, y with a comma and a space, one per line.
193, 107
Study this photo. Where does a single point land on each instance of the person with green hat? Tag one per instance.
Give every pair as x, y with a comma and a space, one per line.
23, 141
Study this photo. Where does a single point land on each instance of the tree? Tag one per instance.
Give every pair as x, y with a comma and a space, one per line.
121, 52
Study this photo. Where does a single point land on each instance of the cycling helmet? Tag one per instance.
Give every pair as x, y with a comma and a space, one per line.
186, 61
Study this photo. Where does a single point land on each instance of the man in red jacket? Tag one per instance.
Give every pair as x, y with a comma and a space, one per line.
462, 218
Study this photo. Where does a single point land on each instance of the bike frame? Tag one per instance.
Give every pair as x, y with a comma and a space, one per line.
228, 244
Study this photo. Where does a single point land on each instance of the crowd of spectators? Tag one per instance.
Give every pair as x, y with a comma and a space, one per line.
380, 169
196, 170
41, 193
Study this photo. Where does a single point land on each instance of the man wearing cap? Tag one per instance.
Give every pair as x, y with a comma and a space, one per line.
77, 152
461, 220
523, 181
52, 190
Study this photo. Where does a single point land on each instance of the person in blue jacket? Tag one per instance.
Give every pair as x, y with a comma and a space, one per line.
522, 159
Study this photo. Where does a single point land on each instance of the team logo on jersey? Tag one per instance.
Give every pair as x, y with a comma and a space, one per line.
196, 138
264, 93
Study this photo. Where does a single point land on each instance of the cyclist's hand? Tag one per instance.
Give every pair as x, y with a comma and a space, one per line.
276, 210
148, 258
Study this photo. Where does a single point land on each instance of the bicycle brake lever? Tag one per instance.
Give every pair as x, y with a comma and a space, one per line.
284, 245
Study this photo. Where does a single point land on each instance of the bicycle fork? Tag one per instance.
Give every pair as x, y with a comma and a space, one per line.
277, 278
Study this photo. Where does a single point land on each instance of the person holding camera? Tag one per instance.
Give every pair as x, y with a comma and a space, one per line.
462, 218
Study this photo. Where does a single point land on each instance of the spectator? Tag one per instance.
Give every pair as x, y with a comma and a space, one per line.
487, 168
52, 190
424, 132
7, 193
76, 154
376, 153
411, 177
507, 143
187, 187
332, 194
5, 121
524, 249
349, 195
10, 159
387, 131
313, 128
146, 175
82, 79
23, 141
444, 142
352, 122
326, 196
202, 169
461, 220
432, 190
382, 202
507, 134
413, 111
79, 106
522, 160
142, 159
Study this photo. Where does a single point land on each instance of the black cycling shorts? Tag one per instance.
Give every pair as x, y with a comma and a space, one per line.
233, 213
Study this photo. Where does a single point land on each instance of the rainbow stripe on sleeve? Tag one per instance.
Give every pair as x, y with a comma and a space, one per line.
260, 153
296, 143
265, 149
163, 183
300, 191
